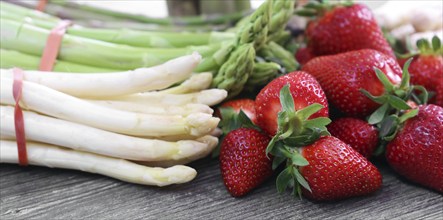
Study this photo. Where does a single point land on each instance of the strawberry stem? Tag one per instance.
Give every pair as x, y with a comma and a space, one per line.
295, 129
394, 110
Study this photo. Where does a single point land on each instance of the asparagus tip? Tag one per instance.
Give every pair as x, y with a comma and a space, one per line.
178, 174
201, 123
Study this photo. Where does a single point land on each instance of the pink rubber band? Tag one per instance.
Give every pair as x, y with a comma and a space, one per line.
18, 117
41, 5
53, 45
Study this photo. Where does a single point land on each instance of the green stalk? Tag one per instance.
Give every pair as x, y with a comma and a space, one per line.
10, 59
234, 73
274, 52
74, 11
282, 12
24, 12
263, 73
32, 40
190, 20
152, 27
223, 7
131, 37
54, 10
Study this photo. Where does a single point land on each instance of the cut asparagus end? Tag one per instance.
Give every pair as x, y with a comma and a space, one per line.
200, 124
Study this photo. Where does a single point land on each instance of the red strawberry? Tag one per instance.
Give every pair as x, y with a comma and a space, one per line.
343, 28
244, 164
246, 105
360, 135
303, 55
326, 167
426, 69
336, 171
417, 150
343, 75
439, 94
305, 91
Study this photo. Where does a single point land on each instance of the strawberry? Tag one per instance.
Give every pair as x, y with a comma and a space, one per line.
416, 152
326, 167
336, 171
439, 94
303, 55
243, 162
343, 27
246, 105
426, 68
357, 133
342, 76
305, 91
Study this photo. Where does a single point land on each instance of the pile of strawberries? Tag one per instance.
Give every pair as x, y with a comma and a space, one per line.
350, 74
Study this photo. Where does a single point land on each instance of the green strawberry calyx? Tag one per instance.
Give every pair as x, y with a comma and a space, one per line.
315, 8
295, 130
394, 109
231, 120
430, 48
426, 48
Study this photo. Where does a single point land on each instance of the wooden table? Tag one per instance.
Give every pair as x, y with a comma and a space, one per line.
44, 193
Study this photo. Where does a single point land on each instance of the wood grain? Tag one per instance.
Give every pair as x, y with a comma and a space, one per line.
44, 193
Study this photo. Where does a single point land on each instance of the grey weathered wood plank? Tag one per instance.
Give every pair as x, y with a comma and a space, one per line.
43, 193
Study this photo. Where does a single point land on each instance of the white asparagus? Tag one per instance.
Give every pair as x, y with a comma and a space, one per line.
155, 109
56, 157
195, 83
59, 132
102, 85
212, 142
207, 97
54, 103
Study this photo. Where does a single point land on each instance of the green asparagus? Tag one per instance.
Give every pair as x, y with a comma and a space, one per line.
151, 39
75, 11
11, 58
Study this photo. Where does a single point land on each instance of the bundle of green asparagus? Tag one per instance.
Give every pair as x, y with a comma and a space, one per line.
102, 123
247, 57
100, 17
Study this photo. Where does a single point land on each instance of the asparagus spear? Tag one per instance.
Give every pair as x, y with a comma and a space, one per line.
151, 39
184, 110
74, 11
24, 12
195, 83
81, 137
207, 97
152, 27
234, 73
276, 53
263, 73
190, 20
11, 58
16, 36
56, 157
51, 102
104, 85
282, 11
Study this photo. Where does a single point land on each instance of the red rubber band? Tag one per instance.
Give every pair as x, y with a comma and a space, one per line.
18, 117
41, 5
53, 46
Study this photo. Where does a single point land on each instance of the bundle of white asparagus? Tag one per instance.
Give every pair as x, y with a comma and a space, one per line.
115, 124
